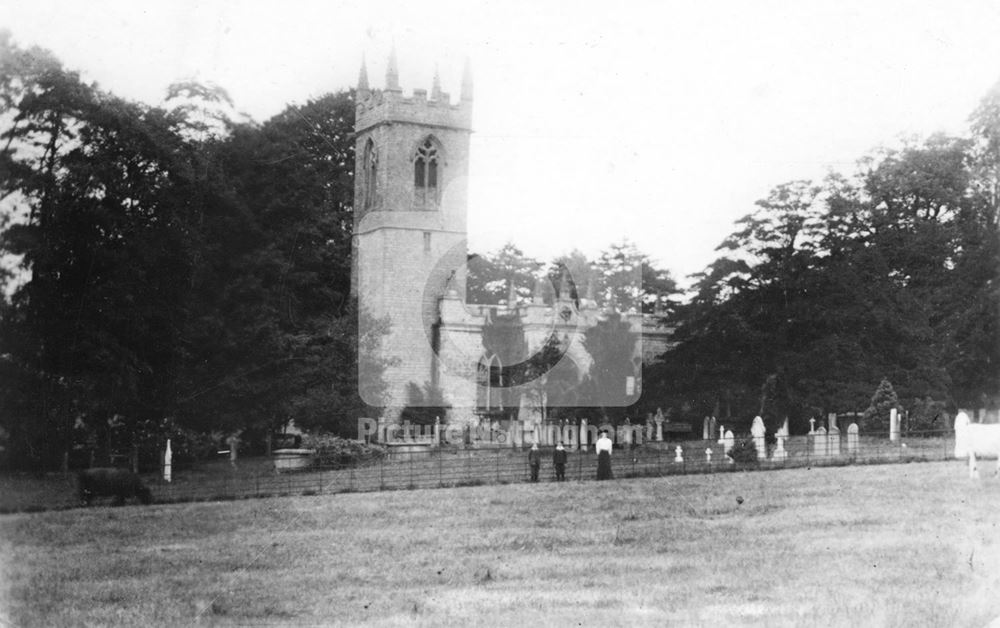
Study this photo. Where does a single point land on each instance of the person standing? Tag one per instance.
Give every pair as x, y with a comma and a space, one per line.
559, 462
534, 461
604, 447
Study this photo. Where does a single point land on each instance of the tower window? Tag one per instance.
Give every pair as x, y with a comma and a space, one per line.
425, 172
427, 241
369, 167
419, 174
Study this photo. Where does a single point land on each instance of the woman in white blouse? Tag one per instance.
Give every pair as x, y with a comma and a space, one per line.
604, 447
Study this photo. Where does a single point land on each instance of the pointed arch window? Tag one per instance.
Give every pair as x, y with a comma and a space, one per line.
370, 169
491, 380
426, 166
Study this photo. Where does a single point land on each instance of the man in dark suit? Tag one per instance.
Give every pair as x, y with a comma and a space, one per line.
559, 461
534, 461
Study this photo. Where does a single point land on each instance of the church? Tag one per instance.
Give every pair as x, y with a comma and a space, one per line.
410, 267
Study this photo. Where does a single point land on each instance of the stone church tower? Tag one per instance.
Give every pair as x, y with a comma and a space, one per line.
410, 195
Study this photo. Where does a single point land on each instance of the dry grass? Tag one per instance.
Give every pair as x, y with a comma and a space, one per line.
899, 545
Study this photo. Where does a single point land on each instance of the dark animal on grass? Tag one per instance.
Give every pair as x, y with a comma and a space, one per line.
118, 483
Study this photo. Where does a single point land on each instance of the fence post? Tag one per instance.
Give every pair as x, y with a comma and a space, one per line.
381, 477
440, 480
497, 458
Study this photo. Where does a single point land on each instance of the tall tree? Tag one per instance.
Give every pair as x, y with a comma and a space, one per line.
103, 187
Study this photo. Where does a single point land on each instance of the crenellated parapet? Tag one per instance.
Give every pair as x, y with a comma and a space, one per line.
379, 106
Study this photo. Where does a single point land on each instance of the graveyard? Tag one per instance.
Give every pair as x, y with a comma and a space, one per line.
901, 544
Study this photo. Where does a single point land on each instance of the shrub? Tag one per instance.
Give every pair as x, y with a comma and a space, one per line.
743, 452
334, 451
876, 417
927, 414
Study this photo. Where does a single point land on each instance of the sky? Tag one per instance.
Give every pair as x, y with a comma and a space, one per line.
659, 122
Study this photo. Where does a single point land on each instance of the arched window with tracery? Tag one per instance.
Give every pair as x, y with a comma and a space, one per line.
426, 167
370, 168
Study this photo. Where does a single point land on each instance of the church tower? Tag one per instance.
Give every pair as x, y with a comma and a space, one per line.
410, 198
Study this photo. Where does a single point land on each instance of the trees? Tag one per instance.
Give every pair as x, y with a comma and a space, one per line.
272, 324
97, 199
876, 416
172, 270
611, 344
890, 272
493, 278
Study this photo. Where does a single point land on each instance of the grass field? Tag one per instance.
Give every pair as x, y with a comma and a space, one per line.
895, 545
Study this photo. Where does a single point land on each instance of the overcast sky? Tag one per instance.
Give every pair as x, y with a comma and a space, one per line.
662, 122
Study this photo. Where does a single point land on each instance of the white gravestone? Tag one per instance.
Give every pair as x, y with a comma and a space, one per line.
708, 455
961, 434
758, 431
819, 443
168, 457
728, 445
852, 439
678, 454
893, 425
833, 441
812, 426
779, 454
722, 434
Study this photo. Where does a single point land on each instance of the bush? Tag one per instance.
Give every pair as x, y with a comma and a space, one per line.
927, 414
334, 451
743, 452
876, 417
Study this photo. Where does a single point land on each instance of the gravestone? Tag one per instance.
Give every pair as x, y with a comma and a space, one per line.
779, 454
678, 454
722, 434
234, 442
831, 420
833, 441
812, 426
659, 425
583, 435
758, 431
168, 457
961, 434
708, 455
893, 425
819, 442
852, 439
708, 428
730, 440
